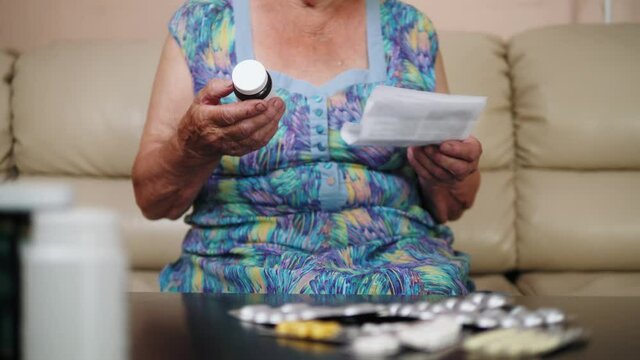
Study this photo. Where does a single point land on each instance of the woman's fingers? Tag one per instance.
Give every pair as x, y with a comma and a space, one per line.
247, 127
231, 114
459, 169
419, 169
450, 162
428, 169
469, 150
260, 138
215, 90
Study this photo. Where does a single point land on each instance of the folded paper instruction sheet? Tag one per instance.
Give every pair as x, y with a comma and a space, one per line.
403, 117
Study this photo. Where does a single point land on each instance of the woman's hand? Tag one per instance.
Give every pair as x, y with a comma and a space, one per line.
448, 176
447, 164
209, 130
186, 136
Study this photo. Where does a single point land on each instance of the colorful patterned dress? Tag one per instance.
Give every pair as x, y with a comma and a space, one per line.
307, 213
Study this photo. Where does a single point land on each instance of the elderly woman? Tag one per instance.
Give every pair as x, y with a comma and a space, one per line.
280, 203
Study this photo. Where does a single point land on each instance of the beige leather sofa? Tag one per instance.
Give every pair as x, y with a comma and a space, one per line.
559, 207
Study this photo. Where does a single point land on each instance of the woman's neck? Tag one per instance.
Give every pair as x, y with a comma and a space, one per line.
311, 17
310, 43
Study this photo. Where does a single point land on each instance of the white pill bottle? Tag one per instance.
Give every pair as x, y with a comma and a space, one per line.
74, 288
251, 81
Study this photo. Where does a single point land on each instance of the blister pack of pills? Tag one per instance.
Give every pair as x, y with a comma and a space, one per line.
430, 327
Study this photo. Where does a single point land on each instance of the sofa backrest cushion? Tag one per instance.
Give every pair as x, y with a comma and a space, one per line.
577, 94
79, 108
577, 105
6, 141
476, 65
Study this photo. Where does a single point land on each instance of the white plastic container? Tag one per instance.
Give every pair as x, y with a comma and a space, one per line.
18, 202
251, 81
74, 288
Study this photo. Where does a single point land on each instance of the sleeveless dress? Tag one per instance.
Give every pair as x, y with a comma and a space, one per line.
307, 213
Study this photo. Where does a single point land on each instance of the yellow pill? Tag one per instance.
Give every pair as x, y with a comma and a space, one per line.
316, 330
283, 328
300, 331
325, 331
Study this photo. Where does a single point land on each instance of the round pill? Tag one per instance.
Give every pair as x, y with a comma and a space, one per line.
276, 317
439, 308
309, 314
552, 316
406, 310
426, 315
465, 318
467, 306
294, 307
496, 300
477, 298
359, 309
375, 345
511, 321
486, 322
262, 317
451, 303
531, 320
431, 336
422, 306
393, 308
248, 312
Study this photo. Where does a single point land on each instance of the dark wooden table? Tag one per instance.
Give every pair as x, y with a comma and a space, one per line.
195, 326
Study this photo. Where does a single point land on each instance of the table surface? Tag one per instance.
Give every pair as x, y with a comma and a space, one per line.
185, 326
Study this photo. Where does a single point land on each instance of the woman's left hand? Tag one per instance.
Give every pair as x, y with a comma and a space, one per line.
449, 163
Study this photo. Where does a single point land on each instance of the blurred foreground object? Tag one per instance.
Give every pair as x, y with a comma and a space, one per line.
63, 280
75, 287
18, 203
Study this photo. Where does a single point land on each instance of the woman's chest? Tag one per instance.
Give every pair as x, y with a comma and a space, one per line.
313, 58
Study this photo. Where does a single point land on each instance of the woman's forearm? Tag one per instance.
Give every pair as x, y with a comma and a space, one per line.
167, 178
449, 202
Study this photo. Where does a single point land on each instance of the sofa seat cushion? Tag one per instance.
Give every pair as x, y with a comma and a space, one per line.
581, 284
147, 281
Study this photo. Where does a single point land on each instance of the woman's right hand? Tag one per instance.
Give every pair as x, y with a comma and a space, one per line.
210, 130
185, 136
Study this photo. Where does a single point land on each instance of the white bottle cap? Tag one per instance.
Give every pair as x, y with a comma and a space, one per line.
77, 227
31, 195
249, 77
